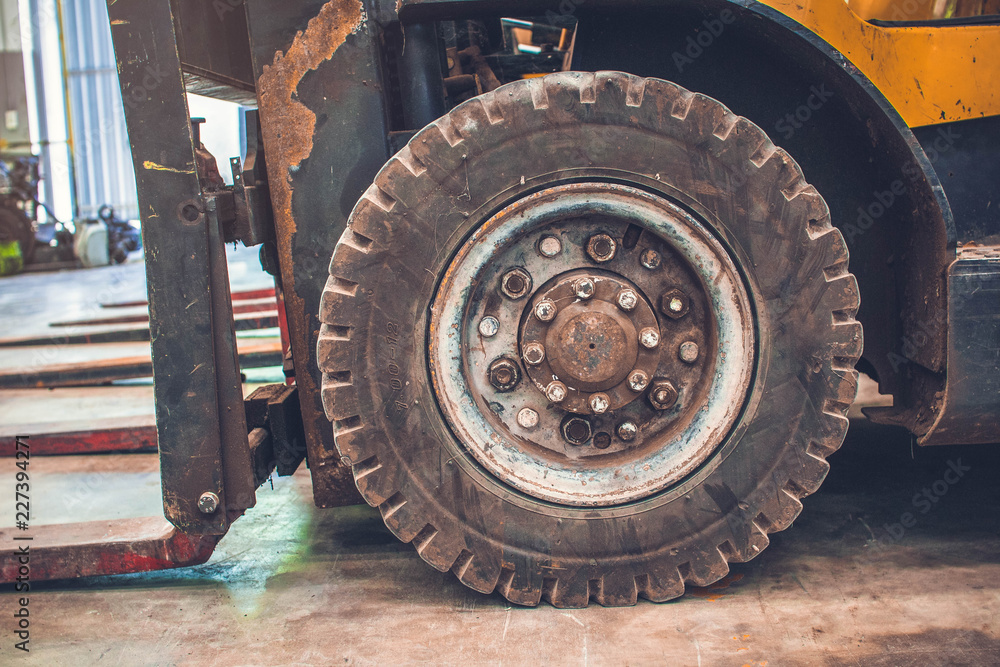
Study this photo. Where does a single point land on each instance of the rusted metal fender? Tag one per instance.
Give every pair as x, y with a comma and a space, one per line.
322, 119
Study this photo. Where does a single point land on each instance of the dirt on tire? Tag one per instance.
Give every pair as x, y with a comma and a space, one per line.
493, 150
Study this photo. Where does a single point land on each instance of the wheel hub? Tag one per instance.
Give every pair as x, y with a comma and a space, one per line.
592, 344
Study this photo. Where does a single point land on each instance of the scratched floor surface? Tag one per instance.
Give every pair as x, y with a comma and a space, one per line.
848, 584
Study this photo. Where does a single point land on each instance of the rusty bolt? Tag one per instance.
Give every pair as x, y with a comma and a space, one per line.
515, 283
688, 352
637, 380
576, 430
504, 374
649, 338
208, 502
533, 353
627, 431
555, 392
599, 403
627, 299
527, 418
601, 248
675, 303
545, 310
602, 440
489, 326
584, 288
662, 394
650, 259
549, 246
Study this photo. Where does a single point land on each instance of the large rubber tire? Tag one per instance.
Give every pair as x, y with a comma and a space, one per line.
495, 149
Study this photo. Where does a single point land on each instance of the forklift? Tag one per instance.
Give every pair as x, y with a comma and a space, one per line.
566, 284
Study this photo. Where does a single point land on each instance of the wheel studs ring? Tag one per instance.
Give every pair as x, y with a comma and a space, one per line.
599, 403
556, 392
601, 248
534, 353
662, 395
688, 352
585, 288
627, 431
649, 338
527, 418
576, 430
627, 300
515, 283
650, 259
489, 326
504, 374
637, 381
549, 246
545, 310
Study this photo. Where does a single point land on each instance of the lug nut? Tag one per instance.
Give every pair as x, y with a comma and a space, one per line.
601, 248
650, 259
599, 403
675, 304
533, 353
489, 326
627, 431
637, 380
602, 440
688, 352
527, 418
584, 288
662, 395
504, 374
556, 392
549, 246
515, 283
545, 310
208, 502
627, 299
649, 338
576, 430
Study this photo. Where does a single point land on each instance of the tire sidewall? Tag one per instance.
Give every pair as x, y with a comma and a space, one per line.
716, 504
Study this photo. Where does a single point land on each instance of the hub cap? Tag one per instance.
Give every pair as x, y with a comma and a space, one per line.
599, 341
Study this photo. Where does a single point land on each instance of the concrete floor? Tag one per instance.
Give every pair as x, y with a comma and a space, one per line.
31, 301
294, 585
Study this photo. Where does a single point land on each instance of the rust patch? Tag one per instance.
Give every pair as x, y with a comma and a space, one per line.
718, 590
287, 126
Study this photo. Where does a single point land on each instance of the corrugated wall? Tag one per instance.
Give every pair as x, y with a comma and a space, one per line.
101, 157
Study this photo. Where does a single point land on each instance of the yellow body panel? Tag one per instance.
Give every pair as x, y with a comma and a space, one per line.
929, 74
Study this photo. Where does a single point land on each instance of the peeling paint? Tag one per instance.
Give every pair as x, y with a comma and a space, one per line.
152, 166
288, 126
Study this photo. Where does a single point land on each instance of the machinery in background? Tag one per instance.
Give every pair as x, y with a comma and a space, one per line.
98, 242
106, 240
18, 212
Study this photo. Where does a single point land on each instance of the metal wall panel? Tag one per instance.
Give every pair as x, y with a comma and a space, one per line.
101, 155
